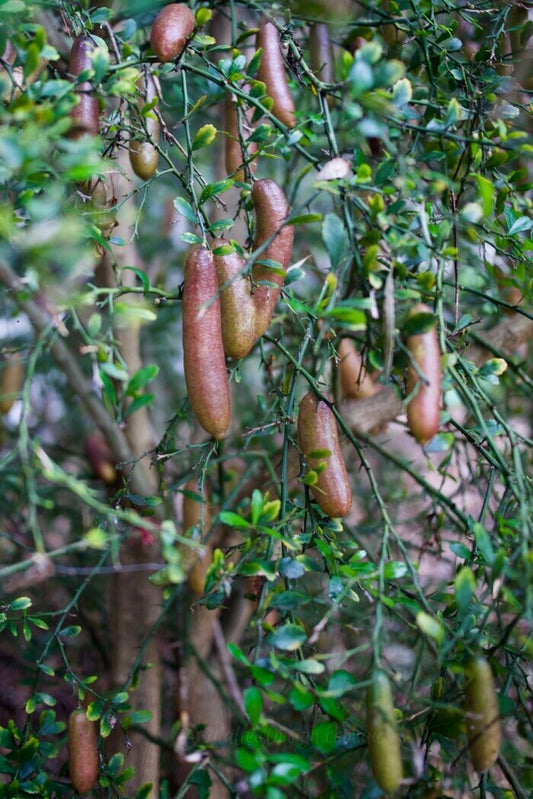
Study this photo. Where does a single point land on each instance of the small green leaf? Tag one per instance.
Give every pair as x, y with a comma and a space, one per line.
190, 238
465, 585
141, 716
288, 637
486, 193
341, 682
106, 725
21, 603
483, 543
305, 219
120, 698
238, 654
94, 711
402, 92
203, 15
419, 323
70, 632
309, 666
253, 703
141, 378
139, 402
185, 209
31, 704
335, 238
300, 698
215, 188
232, 519
143, 277
311, 478
324, 736
256, 506
204, 136
520, 225
460, 550
430, 626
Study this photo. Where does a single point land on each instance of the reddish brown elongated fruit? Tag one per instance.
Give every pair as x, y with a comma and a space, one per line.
317, 434
271, 211
321, 52
196, 512
171, 30
383, 739
234, 154
144, 157
424, 408
237, 306
322, 56
86, 115
11, 377
205, 367
272, 72
482, 714
82, 751
354, 380
100, 458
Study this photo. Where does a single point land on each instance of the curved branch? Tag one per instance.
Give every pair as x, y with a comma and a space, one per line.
136, 471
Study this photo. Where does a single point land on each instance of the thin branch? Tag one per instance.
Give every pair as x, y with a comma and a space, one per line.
40, 321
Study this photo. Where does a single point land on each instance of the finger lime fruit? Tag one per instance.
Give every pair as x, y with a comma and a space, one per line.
237, 305
11, 377
85, 116
354, 380
196, 513
322, 56
144, 156
272, 73
271, 212
482, 716
82, 751
319, 443
204, 362
101, 458
383, 738
172, 28
423, 376
238, 149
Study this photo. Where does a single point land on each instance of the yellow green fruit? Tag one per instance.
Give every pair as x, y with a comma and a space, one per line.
383, 738
482, 716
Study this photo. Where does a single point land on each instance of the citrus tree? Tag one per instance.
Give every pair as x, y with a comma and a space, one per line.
265, 302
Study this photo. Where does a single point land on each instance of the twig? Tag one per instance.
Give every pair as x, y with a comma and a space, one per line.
138, 477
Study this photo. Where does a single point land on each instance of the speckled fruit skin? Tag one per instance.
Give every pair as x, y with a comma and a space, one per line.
271, 211
86, 115
272, 72
204, 361
171, 30
423, 410
481, 714
354, 380
383, 738
236, 304
82, 751
317, 430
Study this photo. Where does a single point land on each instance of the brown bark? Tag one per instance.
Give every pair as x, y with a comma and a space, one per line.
135, 603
